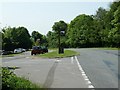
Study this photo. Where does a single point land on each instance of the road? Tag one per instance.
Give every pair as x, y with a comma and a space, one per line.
93, 68
101, 66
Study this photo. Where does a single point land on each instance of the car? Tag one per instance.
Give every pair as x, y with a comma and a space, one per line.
18, 50
45, 49
39, 50
6, 52
23, 50
36, 50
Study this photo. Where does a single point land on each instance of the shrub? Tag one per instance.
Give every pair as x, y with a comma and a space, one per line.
11, 82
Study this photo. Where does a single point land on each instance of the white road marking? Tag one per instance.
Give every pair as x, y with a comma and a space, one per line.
58, 60
83, 74
90, 86
72, 60
89, 82
27, 57
87, 79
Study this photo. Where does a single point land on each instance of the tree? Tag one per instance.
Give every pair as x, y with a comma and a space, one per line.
1, 40
114, 33
44, 41
59, 28
36, 35
81, 31
16, 38
52, 39
102, 26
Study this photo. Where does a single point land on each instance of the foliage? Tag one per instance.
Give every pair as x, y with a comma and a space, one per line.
11, 82
39, 39
52, 39
81, 31
36, 35
99, 30
59, 26
59, 30
15, 38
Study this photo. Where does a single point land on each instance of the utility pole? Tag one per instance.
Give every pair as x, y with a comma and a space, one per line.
59, 51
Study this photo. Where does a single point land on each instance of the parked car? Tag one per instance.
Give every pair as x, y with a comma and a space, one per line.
18, 50
39, 50
36, 50
45, 49
23, 50
6, 52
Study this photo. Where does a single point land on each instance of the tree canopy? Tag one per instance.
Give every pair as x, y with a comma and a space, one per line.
16, 38
99, 30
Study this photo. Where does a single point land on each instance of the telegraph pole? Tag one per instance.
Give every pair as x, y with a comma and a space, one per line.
59, 51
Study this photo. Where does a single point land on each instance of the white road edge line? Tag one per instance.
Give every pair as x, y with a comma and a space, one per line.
83, 74
72, 60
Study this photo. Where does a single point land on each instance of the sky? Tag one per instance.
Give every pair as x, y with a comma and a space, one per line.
41, 16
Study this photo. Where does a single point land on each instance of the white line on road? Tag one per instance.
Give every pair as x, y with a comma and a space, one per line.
58, 60
72, 60
83, 74
27, 57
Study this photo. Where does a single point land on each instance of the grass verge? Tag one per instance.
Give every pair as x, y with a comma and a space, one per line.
54, 54
11, 82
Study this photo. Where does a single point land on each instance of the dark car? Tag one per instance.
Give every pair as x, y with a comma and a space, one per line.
39, 50
36, 50
6, 52
44, 49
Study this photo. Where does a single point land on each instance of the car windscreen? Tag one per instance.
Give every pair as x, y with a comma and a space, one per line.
35, 48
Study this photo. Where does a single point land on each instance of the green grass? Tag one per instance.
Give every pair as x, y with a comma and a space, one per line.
54, 54
12, 82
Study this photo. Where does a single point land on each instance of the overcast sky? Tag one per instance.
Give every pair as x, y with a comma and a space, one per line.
40, 16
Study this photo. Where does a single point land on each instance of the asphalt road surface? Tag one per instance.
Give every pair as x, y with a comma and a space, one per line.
101, 66
92, 69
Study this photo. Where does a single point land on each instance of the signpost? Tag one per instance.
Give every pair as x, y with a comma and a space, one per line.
61, 47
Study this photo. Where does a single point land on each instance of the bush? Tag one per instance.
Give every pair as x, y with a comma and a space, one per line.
11, 82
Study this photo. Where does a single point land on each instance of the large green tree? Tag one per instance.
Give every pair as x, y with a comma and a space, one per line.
39, 39
60, 28
16, 38
36, 35
102, 27
114, 34
81, 32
